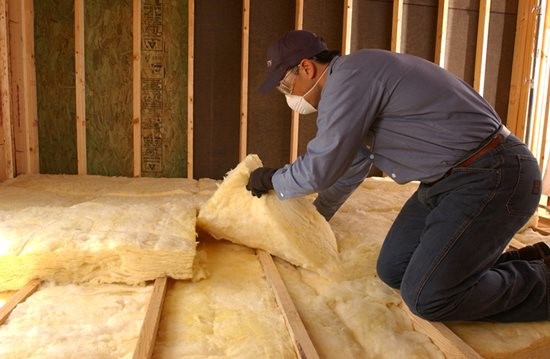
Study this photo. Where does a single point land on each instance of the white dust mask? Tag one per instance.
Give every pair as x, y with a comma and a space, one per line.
299, 103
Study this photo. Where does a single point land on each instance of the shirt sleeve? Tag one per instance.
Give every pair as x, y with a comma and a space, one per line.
332, 198
348, 107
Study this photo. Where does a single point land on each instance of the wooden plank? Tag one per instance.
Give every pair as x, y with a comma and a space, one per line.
6, 137
537, 350
441, 37
545, 81
481, 45
190, 79
294, 135
17, 298
517, 67
444, 338
346, 30
17, 86
299, 15
29, 80
543, 227
136, 86
148, 334
539, 116
527, 77
397, 25
302, 342
521, 67
244, 80
80, 79
295, 116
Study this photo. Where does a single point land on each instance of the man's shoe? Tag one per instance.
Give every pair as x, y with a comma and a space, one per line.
536, 251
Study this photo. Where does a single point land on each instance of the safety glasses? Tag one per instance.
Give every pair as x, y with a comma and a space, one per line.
286, 85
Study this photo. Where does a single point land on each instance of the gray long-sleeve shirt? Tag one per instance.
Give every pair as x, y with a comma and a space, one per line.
408, 116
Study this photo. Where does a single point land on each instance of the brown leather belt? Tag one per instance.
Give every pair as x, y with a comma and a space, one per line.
494, 142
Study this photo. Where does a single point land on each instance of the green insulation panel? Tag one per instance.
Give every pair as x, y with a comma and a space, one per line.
108, 69
108, 52
55, 85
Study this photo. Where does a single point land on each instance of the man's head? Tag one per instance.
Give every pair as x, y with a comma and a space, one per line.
296, 64
288, 52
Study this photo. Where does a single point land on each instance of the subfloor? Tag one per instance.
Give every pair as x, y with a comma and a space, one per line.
228, 309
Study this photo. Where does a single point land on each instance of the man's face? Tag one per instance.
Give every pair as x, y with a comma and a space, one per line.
300, 79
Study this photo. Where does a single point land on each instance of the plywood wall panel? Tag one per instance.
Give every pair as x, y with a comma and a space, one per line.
500, 54
324, 18
108, 68
461, 40
164, 88
371, 24
55, 85
217, 80
420, 28
268, 114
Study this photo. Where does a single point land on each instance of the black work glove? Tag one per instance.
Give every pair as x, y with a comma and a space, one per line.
260, 181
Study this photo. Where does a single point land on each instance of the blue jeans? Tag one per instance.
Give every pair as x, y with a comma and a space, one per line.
442, 250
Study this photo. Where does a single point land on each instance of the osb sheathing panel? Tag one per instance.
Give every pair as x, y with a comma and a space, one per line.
371, 24
500, 54
164, 88
269, 117
420, 28
55, 85
461, 40
108, 62
461, 47
326, 19
217, 84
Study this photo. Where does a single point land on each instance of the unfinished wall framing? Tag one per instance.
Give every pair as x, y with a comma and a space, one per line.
169, 89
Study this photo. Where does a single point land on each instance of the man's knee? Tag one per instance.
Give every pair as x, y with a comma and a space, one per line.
388, 273
426, 306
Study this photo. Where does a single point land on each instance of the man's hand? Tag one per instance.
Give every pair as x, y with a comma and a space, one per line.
260, 181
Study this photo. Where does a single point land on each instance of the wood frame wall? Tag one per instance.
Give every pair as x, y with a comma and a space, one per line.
18, 121
18, 125
6, 138
523, 63
80, 87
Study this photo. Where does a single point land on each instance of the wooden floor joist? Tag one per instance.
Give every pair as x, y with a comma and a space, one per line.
17, 298
301, 340
149, 328
444, 338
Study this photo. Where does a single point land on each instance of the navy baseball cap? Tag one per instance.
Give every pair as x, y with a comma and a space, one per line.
287, 52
